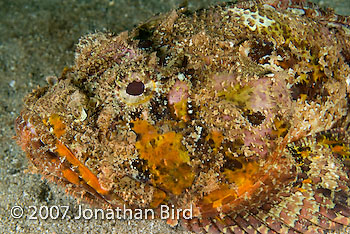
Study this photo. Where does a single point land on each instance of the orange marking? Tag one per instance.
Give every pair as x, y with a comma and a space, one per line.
181, 110
217, 137
85, 173
59, 128
166, 157
217, 196
340, 150
307, 181
244, 178
158, 197
301, 190
71, 176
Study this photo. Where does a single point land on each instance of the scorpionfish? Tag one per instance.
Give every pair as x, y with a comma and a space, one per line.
239, 111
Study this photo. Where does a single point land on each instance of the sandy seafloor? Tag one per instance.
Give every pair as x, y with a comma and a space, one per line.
37, 39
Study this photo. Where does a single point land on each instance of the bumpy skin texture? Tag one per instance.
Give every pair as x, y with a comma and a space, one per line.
239, 110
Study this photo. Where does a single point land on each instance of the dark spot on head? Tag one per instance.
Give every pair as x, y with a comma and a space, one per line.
307, 161
289, 59
141, 166
260, 49
144, 34
190, 71
162, 55
232, 164
135, 88
305, 168
255, 118
159, 110
232, 146
184, 62
325, 192
298, 89
153, 143
211, 143
136, 114
313, 87
145, 44
303, 176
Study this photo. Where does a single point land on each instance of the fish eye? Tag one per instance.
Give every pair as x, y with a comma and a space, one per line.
135, 88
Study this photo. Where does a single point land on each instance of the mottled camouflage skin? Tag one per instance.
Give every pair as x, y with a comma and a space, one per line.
240, 110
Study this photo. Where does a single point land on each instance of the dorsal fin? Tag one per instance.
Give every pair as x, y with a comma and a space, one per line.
310, 10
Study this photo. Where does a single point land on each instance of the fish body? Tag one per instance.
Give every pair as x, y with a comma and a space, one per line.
239, 112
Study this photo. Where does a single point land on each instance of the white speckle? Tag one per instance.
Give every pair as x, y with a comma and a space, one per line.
83, 115
199, 129
296, 11
267, 6
248, 17
181, 76
12, 83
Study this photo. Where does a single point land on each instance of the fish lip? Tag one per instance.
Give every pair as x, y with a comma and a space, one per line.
50, 164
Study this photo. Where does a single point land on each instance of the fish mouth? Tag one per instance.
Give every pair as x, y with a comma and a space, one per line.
57, 163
